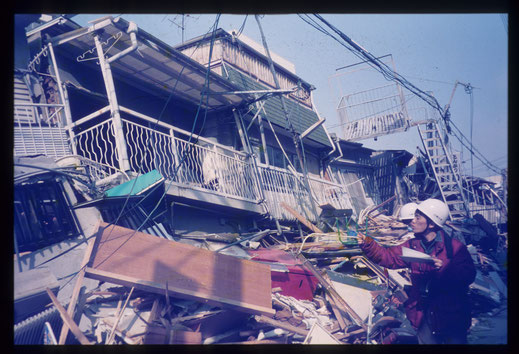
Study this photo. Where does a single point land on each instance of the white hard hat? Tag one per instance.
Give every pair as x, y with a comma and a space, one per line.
407, 211
436, 210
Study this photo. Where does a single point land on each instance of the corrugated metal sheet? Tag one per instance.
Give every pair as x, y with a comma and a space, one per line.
21, 96
30, 331
154, 65
301, 117
32, 140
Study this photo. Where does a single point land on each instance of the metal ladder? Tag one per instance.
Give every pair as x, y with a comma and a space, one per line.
447, 178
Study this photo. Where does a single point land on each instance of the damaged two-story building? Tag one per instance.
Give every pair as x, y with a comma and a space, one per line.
120, 137
230, 143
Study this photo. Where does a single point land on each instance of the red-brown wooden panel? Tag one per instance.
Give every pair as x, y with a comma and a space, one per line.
123, 256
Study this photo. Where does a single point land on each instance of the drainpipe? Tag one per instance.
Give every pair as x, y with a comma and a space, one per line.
340, 152
248, 150
112, 98
263, 140
132, 30
324, 127
334, 148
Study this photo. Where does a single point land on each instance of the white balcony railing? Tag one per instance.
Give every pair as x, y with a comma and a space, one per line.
186, 159
38, 130
280, 185
196, 162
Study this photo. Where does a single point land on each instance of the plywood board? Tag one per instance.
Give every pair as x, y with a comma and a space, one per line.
359, 299
123, 256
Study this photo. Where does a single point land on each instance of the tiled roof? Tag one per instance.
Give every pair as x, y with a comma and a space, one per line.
300, 116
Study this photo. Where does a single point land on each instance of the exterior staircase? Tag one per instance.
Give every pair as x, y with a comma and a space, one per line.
447, 178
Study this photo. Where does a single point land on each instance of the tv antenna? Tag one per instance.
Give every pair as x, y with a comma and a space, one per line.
182, 22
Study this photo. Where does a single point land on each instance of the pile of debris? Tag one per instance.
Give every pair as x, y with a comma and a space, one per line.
258, 287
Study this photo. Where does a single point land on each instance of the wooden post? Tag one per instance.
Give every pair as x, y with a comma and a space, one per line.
67, 319
76, 290
339, 301
120, 142
299, 217
112, 333
287, 326
336, 312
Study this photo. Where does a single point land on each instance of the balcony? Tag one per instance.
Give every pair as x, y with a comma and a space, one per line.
200, 170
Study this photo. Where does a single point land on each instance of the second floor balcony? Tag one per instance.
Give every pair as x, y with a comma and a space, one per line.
197, 168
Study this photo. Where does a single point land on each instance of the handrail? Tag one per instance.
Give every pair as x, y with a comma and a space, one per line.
88, 117
179, 130
32, 104
198, 146
154, 121
235, 164
299, 174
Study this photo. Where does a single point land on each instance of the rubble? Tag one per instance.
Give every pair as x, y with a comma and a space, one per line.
102, 250
316, 289
250, 288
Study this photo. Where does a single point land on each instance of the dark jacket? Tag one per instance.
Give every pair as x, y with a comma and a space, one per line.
443, 292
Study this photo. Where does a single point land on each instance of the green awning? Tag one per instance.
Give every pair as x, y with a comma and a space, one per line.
136, 186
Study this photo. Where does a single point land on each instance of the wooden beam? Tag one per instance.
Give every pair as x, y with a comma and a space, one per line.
279, 324
301, 219
68, 320
112, 333
336, 312
75, 292
339, 301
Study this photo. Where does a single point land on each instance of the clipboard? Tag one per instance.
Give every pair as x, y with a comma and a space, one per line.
410, 255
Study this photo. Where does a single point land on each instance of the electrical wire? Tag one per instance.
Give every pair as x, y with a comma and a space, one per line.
389, 74
242, 26
386, 71
123, 210
155, 125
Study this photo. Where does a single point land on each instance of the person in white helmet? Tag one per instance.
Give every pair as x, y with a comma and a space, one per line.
407, 211
438, 305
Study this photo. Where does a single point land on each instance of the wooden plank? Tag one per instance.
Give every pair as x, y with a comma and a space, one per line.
283, 325
75, 292
159, 335
301, 219
67, 319
336, 311
112, 333
149, 337
123, 256
339, 301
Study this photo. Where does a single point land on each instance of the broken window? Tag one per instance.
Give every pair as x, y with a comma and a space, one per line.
42, 215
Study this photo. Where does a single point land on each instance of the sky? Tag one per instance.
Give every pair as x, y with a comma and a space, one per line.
432, 51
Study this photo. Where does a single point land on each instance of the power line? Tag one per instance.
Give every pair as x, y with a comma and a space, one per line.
390, 74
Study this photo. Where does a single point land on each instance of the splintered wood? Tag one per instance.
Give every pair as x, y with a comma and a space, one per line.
134, 259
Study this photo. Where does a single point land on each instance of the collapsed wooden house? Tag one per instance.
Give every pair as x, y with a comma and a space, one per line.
199, 139
220, 137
